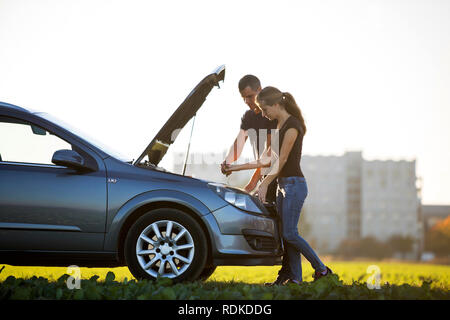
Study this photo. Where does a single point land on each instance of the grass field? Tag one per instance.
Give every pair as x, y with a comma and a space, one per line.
393, 273
411, 281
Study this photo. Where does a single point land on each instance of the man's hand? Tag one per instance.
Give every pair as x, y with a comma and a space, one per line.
223, 167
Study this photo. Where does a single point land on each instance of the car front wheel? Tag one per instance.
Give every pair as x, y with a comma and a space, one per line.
166, 243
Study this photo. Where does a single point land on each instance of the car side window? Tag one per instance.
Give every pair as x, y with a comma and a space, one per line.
22, 141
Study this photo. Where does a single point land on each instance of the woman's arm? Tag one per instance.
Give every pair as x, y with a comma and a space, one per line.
262, 162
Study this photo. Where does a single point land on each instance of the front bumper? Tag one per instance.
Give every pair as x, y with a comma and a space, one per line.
241, 238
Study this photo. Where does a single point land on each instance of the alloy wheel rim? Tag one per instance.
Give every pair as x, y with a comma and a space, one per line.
165, 248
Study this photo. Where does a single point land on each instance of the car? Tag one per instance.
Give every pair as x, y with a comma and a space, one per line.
65, 199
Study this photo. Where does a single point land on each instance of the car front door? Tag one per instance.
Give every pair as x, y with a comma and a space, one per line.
43, 206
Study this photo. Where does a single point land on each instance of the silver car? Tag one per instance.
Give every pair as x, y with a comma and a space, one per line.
79, 204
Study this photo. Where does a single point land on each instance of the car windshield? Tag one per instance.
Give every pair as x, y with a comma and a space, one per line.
84, 136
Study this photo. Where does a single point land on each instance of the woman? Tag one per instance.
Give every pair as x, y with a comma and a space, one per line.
284, 163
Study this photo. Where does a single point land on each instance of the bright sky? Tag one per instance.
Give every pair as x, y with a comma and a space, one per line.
368, 75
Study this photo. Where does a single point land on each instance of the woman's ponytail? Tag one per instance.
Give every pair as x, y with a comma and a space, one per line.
289, 104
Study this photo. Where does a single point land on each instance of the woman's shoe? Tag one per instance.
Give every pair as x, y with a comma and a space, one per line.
279, 281
318, 274
289, 281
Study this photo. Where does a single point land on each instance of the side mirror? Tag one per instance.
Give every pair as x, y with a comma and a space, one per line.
68, 158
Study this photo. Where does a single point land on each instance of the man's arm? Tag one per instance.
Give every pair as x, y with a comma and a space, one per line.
251, 185
268, 141
257, 174
236, 149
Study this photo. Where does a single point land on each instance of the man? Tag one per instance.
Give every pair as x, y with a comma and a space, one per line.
253, 126
257, 127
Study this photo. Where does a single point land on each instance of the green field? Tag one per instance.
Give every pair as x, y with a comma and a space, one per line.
393, 273
397, 281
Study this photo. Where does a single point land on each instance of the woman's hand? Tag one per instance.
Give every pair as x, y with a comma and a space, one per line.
228, 168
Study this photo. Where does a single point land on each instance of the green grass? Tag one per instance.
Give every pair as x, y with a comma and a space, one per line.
397, 280
393, 273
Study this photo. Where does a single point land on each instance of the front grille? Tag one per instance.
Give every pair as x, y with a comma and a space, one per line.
260, 243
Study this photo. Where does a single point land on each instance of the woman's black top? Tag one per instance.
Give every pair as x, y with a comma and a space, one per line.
292, 165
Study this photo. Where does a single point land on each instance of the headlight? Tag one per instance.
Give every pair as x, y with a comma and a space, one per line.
238, 198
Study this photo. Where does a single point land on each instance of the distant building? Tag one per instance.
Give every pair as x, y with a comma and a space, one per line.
391, 204
326, 221
390, 201
354, 198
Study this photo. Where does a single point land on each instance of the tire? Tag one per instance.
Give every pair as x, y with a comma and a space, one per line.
149, 253
206, 273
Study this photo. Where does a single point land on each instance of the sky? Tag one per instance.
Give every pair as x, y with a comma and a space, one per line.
370, 76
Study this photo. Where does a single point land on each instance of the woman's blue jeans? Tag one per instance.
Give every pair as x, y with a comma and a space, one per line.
291, 195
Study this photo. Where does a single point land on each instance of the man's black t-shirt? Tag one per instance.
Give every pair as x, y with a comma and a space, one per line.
257, 128
292, 165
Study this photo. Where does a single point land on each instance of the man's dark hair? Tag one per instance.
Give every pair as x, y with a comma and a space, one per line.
249, 81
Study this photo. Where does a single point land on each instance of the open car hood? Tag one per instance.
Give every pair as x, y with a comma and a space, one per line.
167, 135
